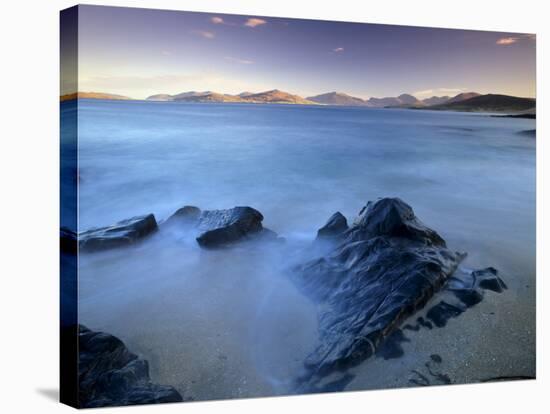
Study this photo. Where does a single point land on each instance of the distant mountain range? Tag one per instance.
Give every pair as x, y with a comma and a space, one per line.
329, 98
272, 96
402, 101
468, 101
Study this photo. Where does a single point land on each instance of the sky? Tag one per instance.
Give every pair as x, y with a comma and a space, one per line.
141, 52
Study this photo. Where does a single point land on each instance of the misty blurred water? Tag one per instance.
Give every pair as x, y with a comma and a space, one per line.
229, 320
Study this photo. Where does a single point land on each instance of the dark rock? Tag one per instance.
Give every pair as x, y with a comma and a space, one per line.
387, 267
487, 279
436, 358
222, 227
123, 233
186, 214
110, 375
334, 227
464, 290
68, 241
442, 312
392, 348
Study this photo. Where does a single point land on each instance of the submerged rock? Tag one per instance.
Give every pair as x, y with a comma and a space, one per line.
186, 215
110, 375
336, 225
222, 227
123, 233
388, 265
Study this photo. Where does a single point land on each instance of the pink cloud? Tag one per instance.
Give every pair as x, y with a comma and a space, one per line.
338, 49
507, 40
253, 22
217, 20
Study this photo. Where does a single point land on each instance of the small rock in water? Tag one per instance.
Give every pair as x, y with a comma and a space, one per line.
334, 227
123, 233
222, 227
109, 374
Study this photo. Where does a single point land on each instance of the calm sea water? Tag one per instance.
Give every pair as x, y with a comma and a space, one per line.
211, 323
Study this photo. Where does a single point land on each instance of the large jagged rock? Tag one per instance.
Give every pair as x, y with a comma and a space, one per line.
388, 265
336, 225
110, 375
123, 233
221, 227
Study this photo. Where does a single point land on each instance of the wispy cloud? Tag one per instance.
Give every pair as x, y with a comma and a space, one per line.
204, 33
510, 40
254, 22
237, 60
503, 41
338, 50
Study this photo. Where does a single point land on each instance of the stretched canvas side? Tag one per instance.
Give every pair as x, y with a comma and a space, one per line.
68, 201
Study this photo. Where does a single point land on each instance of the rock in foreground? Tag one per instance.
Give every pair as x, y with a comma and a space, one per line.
221, 227
109, 374
123, 233
387, 266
